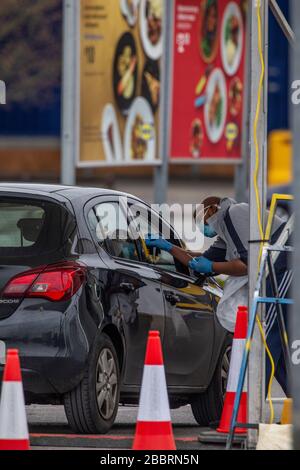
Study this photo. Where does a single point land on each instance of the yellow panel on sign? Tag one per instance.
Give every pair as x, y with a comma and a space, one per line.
120, 51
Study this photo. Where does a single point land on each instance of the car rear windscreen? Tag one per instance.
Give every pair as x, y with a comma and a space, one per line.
34, 228
20, 225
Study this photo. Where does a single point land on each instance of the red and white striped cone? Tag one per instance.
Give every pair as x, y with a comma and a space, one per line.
154, 427
238, 347
13, 423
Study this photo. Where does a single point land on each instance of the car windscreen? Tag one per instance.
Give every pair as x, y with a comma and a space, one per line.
34, 229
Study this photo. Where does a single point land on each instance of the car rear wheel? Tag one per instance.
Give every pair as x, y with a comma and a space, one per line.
207, 407
92, 406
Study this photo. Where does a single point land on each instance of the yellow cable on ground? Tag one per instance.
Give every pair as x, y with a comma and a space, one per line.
260, 225
272, 369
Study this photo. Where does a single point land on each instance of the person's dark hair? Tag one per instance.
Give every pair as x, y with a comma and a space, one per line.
209, 201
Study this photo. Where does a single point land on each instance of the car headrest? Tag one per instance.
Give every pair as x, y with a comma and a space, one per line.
30, 228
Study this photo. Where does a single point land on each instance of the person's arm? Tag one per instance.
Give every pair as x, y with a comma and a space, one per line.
181, 255
216, 252
231, 268
195, 254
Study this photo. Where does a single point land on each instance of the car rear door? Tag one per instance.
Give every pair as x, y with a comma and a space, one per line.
136, 285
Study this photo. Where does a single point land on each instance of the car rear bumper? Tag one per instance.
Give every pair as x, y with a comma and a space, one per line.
33, 382
49, 376
53, 348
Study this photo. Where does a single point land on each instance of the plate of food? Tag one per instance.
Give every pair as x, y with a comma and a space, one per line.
129, 10
110, 135
151, 83
232, 38
151, 27
125, 72
140, 136
215, 109
197, 136
235, 96
209, 26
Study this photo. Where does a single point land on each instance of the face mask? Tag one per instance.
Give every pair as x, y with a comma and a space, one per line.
207, 230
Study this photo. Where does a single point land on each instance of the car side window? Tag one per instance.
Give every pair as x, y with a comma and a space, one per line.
109, 227
147, 222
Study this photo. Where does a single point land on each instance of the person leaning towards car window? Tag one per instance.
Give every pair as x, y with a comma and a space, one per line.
229, 222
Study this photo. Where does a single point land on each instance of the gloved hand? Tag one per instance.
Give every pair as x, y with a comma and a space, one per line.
201, 265
129, 252
161, 243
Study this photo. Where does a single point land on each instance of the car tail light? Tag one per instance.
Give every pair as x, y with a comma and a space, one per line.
55, 282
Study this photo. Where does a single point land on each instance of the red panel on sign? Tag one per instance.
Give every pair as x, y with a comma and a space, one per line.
208, 79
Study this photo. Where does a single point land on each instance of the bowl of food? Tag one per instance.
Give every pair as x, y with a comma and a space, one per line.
140, 137
129, 10
232, 38
110, 135
197, 137
235, 96
215, 109
125, 72
209, 25
151, 83
151, 27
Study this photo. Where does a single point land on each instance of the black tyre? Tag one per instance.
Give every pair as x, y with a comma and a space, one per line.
207, 407
92, 406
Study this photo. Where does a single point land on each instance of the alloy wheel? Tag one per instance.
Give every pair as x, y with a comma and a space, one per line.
106, 383
225, 369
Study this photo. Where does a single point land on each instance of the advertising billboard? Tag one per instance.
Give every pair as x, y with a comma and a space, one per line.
208, 80
121, 44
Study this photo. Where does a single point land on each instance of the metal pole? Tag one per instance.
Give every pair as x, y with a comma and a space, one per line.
240, 181
282, 21
161, 173
2, 92
295, 122
241, 175
256, 391
68, 170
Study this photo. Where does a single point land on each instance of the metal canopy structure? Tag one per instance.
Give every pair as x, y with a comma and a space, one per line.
282, 21
295, 327
258, 172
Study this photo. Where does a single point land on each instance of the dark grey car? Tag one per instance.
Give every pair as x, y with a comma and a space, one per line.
79, 308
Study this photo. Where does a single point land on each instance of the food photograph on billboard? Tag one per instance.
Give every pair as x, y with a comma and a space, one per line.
121, 45
207, 102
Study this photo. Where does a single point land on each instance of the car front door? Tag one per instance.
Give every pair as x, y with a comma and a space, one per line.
136, 285
189, 329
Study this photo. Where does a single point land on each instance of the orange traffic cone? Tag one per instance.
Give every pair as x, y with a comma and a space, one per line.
154, 427
238, 346
13, 423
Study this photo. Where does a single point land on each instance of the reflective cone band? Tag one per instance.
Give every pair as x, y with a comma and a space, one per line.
154, 427
238, 347
13, 422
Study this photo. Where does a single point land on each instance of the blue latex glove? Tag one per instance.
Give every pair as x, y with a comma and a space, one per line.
201, 265
161, 243
129, 252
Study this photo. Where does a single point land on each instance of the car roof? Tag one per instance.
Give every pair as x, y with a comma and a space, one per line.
70, 192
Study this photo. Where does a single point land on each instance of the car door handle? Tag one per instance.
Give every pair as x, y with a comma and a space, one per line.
127, 287
172, 298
